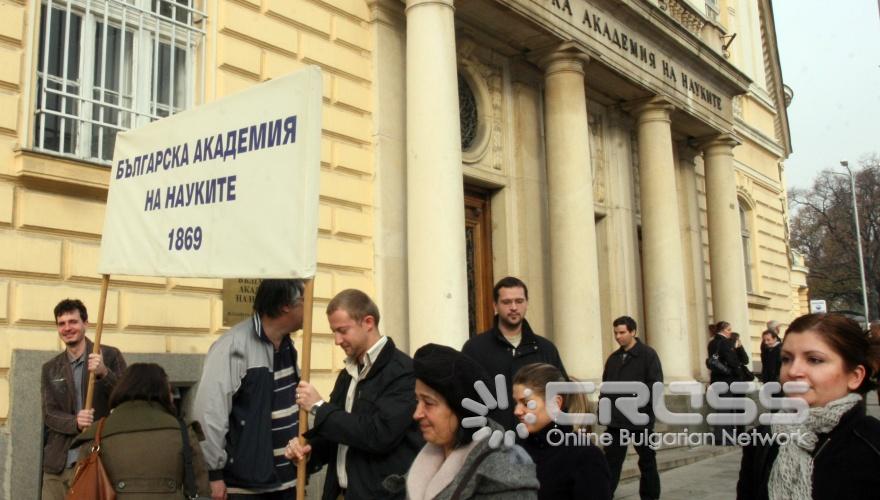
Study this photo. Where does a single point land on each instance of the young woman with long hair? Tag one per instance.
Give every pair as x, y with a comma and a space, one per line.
575, 471
835, 452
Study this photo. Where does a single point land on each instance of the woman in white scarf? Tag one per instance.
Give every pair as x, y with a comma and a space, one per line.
835, 452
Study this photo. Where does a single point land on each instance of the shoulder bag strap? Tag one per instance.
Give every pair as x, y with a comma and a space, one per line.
189, 477
99, 428
456, 495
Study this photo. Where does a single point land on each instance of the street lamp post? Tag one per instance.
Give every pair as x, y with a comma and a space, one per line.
852, 184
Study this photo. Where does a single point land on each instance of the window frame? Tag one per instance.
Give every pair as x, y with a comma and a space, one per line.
747, 243
144, 28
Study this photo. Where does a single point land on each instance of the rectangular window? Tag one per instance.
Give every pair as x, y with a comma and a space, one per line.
746, 246
712, 10
111, 65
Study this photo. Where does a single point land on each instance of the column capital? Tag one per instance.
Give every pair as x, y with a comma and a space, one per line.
564, 57
726, 142
390, 12
411, 4
654, 108
688, 151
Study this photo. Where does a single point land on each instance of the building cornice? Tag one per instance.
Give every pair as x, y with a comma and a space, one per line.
747, 131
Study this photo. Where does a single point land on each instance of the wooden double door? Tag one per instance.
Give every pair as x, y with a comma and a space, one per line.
478, 244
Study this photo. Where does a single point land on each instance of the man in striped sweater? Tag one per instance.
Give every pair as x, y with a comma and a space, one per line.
246, 398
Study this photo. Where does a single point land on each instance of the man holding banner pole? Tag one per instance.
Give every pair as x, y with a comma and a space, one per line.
245, 401
64, 382
365, 431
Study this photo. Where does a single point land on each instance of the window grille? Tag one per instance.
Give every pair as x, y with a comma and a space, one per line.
468, 116
111, 65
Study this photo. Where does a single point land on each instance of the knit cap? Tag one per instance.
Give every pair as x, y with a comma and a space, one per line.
450, 373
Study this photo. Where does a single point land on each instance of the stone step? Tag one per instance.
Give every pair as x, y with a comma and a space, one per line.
671, 458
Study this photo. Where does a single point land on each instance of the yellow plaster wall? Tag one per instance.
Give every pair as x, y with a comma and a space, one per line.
50, 232
757, 158
756, 114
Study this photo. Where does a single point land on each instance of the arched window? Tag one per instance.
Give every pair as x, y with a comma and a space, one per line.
746, 234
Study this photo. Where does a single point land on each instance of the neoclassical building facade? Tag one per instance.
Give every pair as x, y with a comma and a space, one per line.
620, 156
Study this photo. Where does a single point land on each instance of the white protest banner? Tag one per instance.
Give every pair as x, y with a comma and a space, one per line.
225, 190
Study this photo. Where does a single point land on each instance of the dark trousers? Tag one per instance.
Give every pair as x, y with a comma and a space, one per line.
615, 453
724, 434
288, 494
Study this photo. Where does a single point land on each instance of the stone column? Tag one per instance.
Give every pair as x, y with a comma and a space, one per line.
692, 238
389, 157
729, 300
624, 285
435, 197
573, 262
666, 322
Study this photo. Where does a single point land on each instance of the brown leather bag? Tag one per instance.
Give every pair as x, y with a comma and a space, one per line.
90, 481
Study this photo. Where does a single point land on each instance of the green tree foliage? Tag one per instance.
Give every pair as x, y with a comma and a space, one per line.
822, 229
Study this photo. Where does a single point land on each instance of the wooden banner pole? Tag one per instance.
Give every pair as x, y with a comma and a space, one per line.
90, 392
305, 369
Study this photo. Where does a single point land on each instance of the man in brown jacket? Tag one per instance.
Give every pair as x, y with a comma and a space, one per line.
64, 383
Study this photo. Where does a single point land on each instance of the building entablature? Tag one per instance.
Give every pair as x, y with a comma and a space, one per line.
636, 50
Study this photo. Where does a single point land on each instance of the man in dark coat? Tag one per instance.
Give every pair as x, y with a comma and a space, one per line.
64, 384
632, 362
511, 343
365, 432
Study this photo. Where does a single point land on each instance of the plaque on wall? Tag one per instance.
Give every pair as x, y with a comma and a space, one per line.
238, 299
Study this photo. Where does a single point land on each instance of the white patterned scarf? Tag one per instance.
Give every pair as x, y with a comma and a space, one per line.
792, 473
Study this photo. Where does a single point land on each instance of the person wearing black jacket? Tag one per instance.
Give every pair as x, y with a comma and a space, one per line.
771, 361
511, 343
723, 345
632, 362
365, 432
566, 470
835, 452
745, 373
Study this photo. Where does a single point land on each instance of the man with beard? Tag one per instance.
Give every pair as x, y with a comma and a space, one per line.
511, 343
64, 383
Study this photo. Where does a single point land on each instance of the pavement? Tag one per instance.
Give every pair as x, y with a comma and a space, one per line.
708, 479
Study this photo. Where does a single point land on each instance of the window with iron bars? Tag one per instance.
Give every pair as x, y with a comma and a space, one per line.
111, 65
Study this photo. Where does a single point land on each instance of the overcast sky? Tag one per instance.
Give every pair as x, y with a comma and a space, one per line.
830, 54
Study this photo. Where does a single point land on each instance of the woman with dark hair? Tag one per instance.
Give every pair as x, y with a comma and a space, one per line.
142, 441
454, 465
724, 366
575, 472
743, 370
835, 452
771, 356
